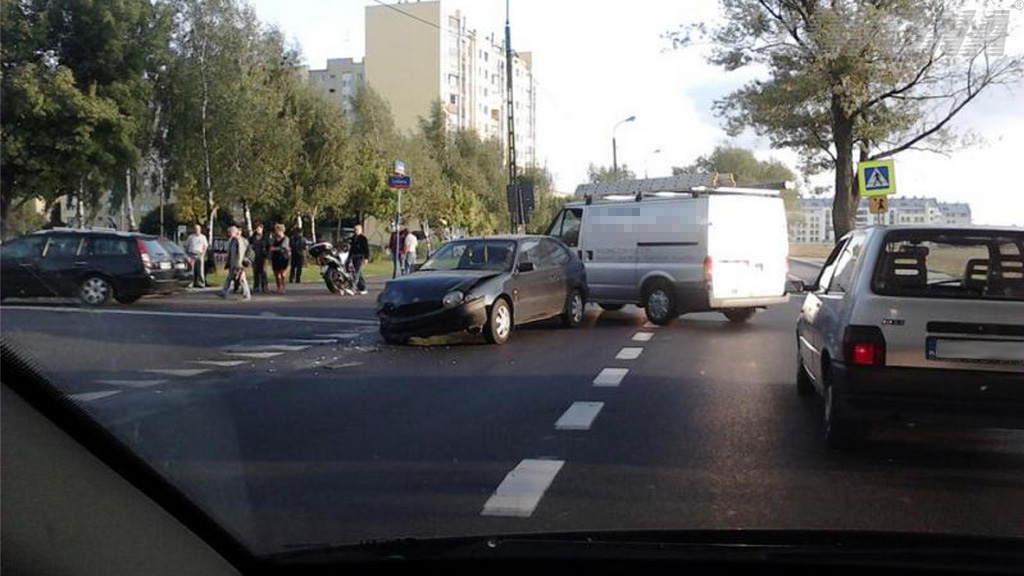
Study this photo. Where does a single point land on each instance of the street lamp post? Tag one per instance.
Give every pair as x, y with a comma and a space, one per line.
615, 156
647, 159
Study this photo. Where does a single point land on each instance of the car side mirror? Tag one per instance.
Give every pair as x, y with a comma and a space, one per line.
525, 267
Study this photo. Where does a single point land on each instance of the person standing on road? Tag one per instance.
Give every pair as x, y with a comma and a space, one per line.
196, 247
396, 247
280, 255
260, 247
411, 242
237, 260
298, 247
359, 251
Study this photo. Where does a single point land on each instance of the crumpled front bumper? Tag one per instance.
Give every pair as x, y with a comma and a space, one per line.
469, 316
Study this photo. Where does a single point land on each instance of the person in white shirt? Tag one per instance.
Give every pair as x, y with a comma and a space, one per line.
196, 247
410, 251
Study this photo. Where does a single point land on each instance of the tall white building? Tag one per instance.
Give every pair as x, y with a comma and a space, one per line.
815, 224
418, 53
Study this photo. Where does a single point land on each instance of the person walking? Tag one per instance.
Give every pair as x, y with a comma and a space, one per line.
298, 246
237, 260
359, 252
411, 242
280, 255
396, 247
196, 247
260, 248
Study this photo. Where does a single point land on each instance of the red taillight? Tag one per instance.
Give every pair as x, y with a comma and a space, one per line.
864, 353
146, 262
707, 270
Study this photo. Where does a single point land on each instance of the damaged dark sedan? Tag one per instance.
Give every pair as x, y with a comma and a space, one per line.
485, 285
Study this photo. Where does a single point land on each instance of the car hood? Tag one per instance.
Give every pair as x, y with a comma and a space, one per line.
427, 286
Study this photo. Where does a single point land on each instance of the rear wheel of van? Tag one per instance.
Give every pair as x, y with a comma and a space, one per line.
739, 314
660, 303
610, 307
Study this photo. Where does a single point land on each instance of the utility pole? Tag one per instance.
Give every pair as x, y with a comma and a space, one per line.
516, 210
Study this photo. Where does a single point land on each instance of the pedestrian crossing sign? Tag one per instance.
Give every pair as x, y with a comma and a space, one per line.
876, 178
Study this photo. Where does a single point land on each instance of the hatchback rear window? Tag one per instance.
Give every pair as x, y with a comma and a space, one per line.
951, 264
155, 250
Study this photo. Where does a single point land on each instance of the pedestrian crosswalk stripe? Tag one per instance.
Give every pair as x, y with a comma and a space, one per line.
579, 416
520, 492
341, 335
131, 383
629, 353
643, 336
182, 372
313, 341
265, 348
255, 355
90, 396
219, 363
650, 325
610, 377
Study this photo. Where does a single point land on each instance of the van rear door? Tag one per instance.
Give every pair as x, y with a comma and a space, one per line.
747, 248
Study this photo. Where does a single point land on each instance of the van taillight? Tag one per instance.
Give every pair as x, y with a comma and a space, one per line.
707, 270
146, 262
864, 346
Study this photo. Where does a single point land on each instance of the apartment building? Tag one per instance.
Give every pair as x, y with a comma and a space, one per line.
814, 226
339, 81
421, 52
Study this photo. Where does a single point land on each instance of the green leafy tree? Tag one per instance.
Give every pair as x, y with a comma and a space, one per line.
372, 151
876, 77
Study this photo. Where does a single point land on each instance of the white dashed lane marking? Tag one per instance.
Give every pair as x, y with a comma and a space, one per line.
90, 396
182, 372
520, 492
643, 336
629, 353
341, 335
254, 355
131, 383
611, 377
579, 416
219, 363
313, 341
199, 315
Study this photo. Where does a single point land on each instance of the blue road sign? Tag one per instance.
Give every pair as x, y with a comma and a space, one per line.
399, 181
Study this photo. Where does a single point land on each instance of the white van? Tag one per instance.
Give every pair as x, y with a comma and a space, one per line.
673, 247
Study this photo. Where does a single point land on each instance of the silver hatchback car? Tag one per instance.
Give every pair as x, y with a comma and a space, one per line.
916, 324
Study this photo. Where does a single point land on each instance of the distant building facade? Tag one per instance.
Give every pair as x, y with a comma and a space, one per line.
814, 226
339, 81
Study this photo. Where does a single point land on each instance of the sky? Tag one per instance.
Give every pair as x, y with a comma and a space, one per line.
597, 63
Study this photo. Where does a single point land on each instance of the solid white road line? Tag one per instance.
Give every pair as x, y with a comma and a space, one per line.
206, 315
184, 373
313, 341
629, 353
219, 363
611, 377
579, 416
340, 335
254, 355
90, 396
643, 336
521, 490
131, 383
264, 348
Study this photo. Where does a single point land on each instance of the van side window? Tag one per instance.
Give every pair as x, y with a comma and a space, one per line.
567, 226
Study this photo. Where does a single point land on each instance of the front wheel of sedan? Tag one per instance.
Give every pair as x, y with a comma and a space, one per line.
573, 315
499, 323
95, 291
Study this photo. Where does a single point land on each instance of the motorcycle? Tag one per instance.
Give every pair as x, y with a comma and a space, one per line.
335, 267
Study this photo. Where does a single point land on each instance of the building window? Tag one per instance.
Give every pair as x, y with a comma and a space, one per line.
452, 98
331, 90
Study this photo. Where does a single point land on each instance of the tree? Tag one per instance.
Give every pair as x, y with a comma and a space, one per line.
601, 174
879, 77
372, 150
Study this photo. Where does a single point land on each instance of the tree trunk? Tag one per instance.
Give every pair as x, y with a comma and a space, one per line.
129, 205
844, 206
211, 210
80, 205
312, 225
248, 217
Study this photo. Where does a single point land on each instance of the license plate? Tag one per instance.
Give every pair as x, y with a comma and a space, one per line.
985, 351
165, 265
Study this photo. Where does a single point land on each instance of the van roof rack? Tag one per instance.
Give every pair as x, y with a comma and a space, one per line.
688, 184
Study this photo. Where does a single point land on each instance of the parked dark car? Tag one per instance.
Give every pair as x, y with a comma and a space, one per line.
486, 285
182, 262
93, 266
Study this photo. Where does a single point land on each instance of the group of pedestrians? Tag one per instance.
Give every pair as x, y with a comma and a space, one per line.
284, 253
402, 247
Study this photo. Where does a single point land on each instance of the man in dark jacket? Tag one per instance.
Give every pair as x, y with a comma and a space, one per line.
298, 246
260, 247
359, 252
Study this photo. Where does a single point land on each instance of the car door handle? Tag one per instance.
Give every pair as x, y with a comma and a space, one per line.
590, 254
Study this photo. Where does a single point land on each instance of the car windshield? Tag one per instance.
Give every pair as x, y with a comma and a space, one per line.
496, 256
524, 267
